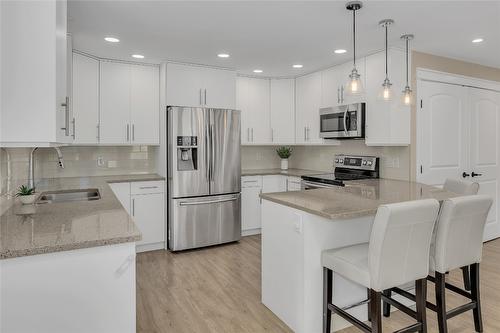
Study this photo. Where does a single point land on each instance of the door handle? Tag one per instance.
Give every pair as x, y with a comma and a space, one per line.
465, 174
476, 174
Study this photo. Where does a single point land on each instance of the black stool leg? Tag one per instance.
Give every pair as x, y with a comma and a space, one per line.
421, 300
466, 275
327, 298
368, 294
376, 311
441, 302
478, 321
387, 306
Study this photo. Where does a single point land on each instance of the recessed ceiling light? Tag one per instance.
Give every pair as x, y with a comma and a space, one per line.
223, 55
297, 66
340, 51
257, 70
111, 39
138, 56
477, 40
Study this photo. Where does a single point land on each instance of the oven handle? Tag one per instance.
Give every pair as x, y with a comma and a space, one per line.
313, 185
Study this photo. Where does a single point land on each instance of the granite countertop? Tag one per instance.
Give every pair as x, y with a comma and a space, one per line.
45, 228
357, 198
289, 172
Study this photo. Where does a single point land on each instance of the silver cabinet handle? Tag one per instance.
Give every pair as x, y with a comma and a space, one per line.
248, 134
133, 132
205, 96
201, 101
66, 116
194, 203
305, 133
308, 137
128, 132
272, 134
338, 95
147, 187
98, 132
133, 207
252, 134
74, 128
342, 94
260, 199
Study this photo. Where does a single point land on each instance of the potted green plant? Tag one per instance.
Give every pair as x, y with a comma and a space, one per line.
284, 152
26, 194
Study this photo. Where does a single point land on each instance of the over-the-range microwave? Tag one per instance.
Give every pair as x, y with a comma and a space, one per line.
342, 122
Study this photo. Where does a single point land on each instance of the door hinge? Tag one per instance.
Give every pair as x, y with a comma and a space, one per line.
421, 169
421, 103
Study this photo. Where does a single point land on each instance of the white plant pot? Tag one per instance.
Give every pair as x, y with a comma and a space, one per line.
284, 164
28, 199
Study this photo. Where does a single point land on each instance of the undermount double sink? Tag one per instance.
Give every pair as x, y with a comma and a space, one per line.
89, 194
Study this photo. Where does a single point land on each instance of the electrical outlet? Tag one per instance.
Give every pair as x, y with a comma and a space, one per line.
100, 161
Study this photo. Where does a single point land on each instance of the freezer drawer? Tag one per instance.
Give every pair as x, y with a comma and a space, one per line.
204, 221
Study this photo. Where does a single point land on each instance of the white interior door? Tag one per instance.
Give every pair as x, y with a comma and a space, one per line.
484, 106
443, 124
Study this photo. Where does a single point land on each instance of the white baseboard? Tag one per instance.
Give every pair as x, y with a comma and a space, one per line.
250, 232
150, 247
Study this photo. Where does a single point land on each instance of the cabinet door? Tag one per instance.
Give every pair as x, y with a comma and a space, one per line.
282, 111
387, 122
219, 88
184, 85
85, 99
331, 82
253, 101
147, 212
61, 61
293, 184
273, 183
122, 193
308, 99
115, 103
144, 105
250, 208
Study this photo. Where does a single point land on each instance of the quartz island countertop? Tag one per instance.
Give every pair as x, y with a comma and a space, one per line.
357, 198
45, 228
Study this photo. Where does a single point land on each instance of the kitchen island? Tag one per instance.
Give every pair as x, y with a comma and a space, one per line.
69, 266
298, 226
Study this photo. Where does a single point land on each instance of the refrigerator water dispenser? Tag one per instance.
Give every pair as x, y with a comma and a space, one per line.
187, 153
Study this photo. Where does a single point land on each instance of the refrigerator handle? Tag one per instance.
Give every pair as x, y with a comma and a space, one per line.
207, 147
212, 154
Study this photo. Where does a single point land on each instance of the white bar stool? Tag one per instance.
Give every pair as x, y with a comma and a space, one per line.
458, 243
398, 253
462, 187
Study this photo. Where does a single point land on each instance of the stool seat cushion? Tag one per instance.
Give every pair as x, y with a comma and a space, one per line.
350, 262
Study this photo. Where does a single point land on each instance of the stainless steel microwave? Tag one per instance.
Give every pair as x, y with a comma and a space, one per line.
342, 122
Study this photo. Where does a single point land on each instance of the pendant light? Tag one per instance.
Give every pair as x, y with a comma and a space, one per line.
407, 97
386, 94
354, 85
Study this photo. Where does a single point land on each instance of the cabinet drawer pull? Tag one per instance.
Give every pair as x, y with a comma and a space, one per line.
147, 187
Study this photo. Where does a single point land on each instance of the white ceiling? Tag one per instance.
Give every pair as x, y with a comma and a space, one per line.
274, 35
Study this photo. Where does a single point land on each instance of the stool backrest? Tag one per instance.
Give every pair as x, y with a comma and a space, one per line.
400, 243
459, 232
463, 187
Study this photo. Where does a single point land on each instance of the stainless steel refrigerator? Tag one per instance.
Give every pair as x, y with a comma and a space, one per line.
204, 171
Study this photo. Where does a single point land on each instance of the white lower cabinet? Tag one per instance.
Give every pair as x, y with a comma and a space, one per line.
145, 203
293, 184
251, 188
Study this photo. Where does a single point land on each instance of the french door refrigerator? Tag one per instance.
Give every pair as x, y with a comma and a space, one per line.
204, 171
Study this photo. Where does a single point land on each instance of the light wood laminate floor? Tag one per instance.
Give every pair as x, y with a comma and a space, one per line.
218, 290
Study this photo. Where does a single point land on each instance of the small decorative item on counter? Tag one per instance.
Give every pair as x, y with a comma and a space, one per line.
26, 195
284, 152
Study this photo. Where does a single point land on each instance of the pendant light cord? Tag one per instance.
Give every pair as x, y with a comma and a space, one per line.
407, 61
354, 35
386, 50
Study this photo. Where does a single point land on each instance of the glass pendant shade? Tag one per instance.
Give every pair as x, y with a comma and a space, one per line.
385, 93
354, 85
407, 97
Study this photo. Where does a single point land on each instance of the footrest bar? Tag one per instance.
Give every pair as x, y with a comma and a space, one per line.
400, 306
348, 307
350, 318
413, 328
461, 309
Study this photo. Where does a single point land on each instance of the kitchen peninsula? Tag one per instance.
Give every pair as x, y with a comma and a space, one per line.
298, 226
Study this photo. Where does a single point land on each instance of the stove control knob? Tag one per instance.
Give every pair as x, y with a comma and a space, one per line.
336, 160
364, 162
370, 162
341, 161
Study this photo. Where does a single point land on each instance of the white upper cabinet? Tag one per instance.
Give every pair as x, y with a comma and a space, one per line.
85, 99
34, 92
333, 84
200, 86
129, 104
283, 111
308, 102
145, 105
387, 123
252, 98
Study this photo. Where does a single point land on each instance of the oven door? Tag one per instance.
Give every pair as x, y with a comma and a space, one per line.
308, 185
346, 121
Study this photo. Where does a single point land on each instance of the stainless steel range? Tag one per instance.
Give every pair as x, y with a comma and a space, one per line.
347, 167
204, 175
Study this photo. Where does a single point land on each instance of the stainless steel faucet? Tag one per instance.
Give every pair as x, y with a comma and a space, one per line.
31, 176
